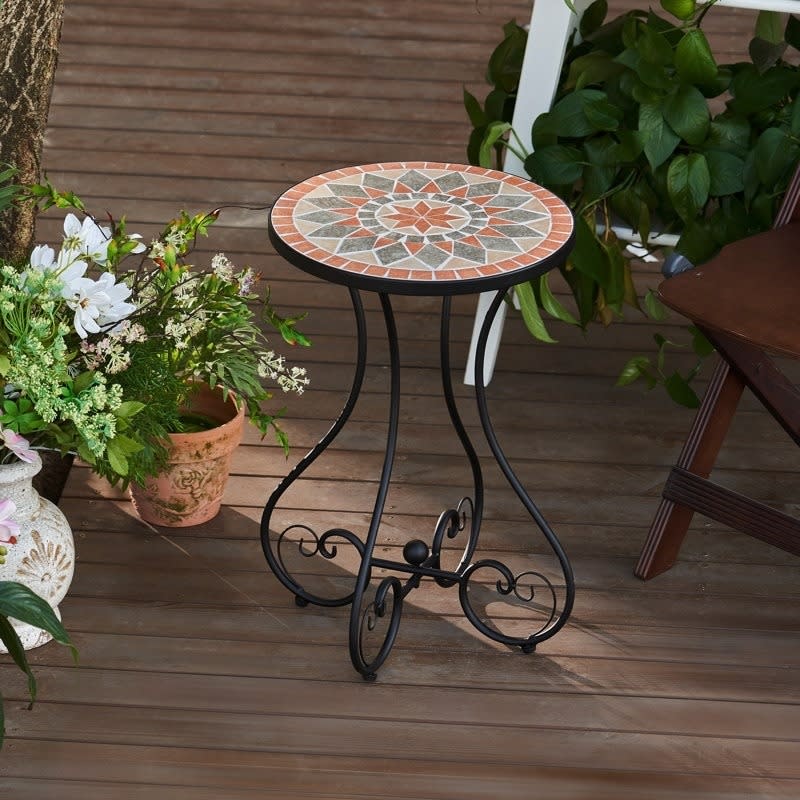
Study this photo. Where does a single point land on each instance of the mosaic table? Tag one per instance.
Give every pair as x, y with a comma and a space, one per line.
420, 229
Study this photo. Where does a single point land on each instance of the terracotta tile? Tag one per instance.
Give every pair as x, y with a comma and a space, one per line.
446, 275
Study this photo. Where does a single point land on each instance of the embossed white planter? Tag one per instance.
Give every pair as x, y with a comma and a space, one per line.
44, 556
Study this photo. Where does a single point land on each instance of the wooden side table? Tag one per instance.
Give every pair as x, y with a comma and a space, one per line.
421, 229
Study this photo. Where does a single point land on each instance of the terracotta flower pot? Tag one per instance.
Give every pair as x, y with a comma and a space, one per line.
190, 489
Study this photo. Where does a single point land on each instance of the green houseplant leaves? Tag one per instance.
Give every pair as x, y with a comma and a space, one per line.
631, 139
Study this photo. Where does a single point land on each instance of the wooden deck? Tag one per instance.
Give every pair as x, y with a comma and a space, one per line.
199, 679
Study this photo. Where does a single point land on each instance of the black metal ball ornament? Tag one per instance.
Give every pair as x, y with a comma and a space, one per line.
415, 552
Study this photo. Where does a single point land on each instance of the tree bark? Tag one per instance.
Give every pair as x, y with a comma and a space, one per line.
29, 36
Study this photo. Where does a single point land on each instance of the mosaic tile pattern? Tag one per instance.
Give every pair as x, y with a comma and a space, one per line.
421, 221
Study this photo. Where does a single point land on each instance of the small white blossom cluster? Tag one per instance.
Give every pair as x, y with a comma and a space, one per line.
111, 352
182, 330
222, 267
290, 379
158, 247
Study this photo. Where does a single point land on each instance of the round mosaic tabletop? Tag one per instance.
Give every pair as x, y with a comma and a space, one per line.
421, 228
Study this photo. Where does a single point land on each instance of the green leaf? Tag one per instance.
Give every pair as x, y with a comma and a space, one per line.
631, 145
775, 155
551, 304
679, 390
495, 105
660, 140
700, 344
729, 133
697, 243
5, 365
635, 368
765, 54
599, 174
682, 9
555, 165
474, 110
544, 131
584, 290
21, 603
688, 184
530, 312
588, 255
593, 18
792, 32
83, 382
14, 647
494, 133
753, 92
653, 47
602, 114
505, 63
694, 60
593, 68
726, 171
117, 458
687, 113
655, 308
769, 27
568, 115
129, 409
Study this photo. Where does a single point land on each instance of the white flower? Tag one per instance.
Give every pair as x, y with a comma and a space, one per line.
117, 293
85, 298
88, 238
96, 303
68, 266
42, 258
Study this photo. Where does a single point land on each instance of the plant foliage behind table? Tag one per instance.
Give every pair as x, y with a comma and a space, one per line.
102, 343
632, 136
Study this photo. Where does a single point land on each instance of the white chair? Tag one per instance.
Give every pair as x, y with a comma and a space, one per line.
552, 23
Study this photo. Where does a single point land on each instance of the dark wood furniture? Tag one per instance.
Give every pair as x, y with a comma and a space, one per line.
746, 302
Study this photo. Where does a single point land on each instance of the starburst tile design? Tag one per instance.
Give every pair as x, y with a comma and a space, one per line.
421, 221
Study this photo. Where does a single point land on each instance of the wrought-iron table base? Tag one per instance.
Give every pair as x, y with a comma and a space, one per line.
421, 560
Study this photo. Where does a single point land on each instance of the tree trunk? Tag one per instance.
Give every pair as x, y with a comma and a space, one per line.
29, 35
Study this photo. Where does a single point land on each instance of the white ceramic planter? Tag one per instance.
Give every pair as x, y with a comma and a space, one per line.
44, 556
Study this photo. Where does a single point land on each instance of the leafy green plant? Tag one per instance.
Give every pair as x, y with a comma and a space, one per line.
19, 602
648, 130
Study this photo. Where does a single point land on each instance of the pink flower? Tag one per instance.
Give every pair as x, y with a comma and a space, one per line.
18, 445
9, 530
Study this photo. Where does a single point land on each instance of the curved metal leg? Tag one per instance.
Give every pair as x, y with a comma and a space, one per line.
526, 586
454, 520
364, 620
322, 545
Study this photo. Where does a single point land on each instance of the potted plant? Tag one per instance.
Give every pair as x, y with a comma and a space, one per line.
106, 345
648, 129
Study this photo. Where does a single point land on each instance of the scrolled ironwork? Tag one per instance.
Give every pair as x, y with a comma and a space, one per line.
509, 584
315, 545
451, 522
370, 615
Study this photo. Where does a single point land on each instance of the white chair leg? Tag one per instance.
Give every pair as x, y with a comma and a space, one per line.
492, 343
